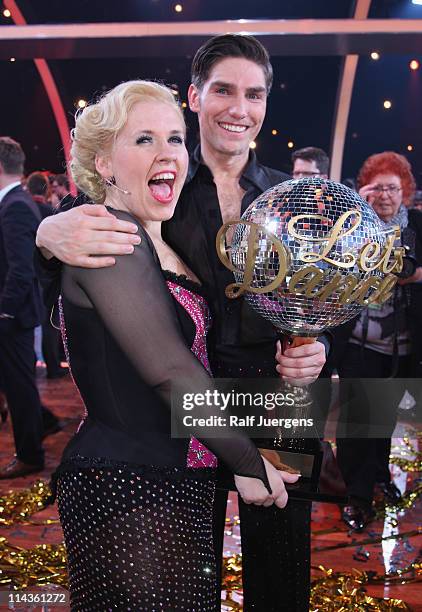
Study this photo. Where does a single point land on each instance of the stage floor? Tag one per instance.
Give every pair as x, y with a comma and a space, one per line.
387, 545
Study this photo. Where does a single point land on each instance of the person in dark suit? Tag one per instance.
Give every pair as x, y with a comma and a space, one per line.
20, 312
38, 187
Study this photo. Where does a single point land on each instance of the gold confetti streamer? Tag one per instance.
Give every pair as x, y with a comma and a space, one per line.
407, 502
401, 455
334, 591
345, 591
17, 506
21, 568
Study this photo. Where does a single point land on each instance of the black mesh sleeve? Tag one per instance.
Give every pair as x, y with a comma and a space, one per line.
134, 304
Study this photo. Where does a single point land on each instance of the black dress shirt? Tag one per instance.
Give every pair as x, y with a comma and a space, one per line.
240, 340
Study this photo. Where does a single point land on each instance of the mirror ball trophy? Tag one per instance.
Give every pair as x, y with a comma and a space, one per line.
308, 255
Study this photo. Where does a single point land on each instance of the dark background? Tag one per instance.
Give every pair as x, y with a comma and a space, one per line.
301, 106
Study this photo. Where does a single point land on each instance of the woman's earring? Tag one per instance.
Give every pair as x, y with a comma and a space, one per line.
111, 182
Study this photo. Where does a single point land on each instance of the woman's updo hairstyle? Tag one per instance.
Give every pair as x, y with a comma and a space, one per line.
98, 125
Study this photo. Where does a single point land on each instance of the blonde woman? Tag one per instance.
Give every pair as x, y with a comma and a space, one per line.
136, 504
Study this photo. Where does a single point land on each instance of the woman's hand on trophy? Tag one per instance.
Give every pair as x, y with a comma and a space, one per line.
277, 478
300, 365
253, 490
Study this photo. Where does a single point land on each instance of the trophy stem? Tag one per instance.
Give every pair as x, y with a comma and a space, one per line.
292, 452
302, 402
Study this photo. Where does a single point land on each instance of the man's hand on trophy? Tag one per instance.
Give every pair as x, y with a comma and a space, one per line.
300, 365
253, 490
75, 236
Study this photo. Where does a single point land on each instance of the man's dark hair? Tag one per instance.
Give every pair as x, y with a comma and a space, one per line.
12, 157
37, 184
319, 156
60, 179
229, 45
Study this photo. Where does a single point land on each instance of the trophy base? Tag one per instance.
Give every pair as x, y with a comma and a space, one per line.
320, 478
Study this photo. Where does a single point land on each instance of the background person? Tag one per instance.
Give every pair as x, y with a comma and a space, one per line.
20, 312
59, 184
38, 186
383, 342
310, 162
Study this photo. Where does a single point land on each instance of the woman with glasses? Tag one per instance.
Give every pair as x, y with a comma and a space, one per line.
383, 342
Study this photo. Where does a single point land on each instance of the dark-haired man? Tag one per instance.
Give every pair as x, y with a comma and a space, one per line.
20, 312
231, 79
38, 186
59, 184
310, 162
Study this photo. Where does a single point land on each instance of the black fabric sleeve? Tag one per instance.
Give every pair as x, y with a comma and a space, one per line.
135, 305
327, 340
49, 270
49, 273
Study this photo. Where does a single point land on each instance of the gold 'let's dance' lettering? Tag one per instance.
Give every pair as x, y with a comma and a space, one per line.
236, 289
369, 258
338, 231
312, 281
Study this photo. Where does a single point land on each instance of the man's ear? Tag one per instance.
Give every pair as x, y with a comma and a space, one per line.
193, 97
103, 165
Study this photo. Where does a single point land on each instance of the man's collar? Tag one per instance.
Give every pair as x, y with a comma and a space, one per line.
9, 187
252, 172
194, 163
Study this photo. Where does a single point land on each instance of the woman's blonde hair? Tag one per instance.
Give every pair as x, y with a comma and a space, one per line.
98, 125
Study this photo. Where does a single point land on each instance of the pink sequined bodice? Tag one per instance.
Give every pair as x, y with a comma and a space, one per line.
196, 307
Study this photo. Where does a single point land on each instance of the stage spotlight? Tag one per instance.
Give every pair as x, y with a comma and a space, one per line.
184, 105
409, 147
387, 104
252, 145
274, 132
414, 65
178, 8
13, 59
419, 2
7, 13
81, 103
375, 55
290, 144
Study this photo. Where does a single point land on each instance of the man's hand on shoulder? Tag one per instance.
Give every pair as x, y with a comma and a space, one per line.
87, 236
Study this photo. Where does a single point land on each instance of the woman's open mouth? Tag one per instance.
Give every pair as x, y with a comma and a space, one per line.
161, 186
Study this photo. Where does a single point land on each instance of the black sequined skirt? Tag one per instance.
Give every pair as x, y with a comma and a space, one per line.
138, 541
